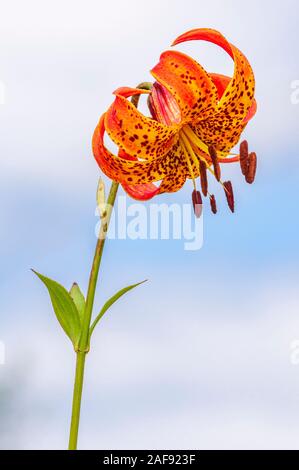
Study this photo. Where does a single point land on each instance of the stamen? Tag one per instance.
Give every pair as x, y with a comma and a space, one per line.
229, 159
203, 177
228, 188
196, 140
187, 156
194, 152
190, 150
197, 203
213, 204
244, 157
203, 147
214, 157
252, 163
193, 149
200, 160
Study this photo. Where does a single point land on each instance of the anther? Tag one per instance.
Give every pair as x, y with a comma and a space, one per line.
244, 157
203, 177
215, 161
213, 204
197, 203
252, 163
228, 189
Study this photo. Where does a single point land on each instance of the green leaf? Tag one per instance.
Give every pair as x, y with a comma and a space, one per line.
79, 299
110, 302
64, 308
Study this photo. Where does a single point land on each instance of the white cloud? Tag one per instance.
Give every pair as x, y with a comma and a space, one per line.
203, 382
65, 59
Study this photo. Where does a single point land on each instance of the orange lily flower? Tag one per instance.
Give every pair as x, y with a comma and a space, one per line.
196, 120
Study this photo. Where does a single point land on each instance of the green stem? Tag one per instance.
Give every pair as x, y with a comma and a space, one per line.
84, 340
77, 394
85, 335
83, 345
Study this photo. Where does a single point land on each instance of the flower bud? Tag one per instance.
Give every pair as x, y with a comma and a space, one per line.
101, 203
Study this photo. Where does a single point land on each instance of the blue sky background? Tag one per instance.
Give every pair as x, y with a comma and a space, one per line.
200, 356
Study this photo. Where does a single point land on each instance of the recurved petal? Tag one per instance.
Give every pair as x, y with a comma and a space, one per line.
126, 91
109, 164
189, 83
137, 134
173, 182
125, 170
237, 101
221, 82
206, 34
251, 112
141, 192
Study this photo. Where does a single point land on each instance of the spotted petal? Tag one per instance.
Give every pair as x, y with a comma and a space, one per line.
126, 91
189, 83
170, 184
173, 182
223, 130
135, 133
221, 82
141, 192
130, 171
